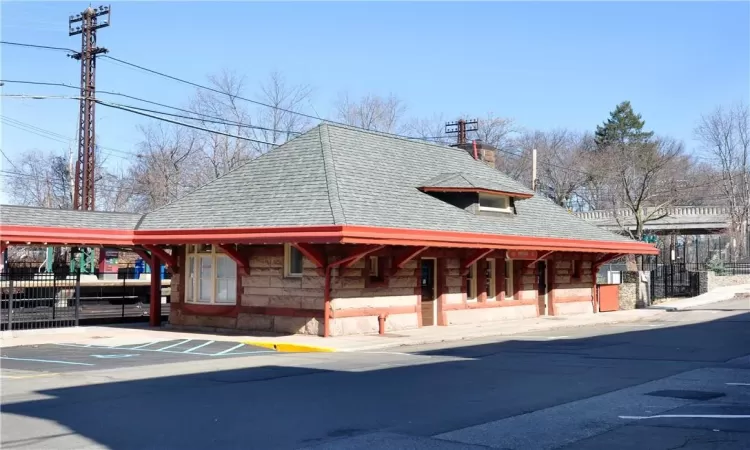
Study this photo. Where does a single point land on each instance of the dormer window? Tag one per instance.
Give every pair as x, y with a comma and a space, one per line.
494, 203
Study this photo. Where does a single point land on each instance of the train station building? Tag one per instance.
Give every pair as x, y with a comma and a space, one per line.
344, 231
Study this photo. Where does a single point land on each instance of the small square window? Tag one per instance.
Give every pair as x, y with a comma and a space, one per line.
292, 261
497, 203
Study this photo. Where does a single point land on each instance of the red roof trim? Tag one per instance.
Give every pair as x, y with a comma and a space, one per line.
348, 234
477, 190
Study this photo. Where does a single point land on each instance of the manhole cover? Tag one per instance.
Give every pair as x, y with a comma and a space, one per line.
687, 395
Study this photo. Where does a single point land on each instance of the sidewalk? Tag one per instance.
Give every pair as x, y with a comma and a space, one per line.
128, 335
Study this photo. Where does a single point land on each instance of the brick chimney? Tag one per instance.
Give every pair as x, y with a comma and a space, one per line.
485, 152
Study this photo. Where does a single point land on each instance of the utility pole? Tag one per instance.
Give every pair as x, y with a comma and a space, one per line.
533, 170
84, 196
460, 128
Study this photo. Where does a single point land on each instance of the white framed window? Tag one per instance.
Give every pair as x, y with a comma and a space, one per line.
292, 261
211, 276
509, 279
496, 203
471, 284
374, 268
490, 279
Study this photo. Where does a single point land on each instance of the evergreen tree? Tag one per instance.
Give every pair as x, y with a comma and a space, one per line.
623, 127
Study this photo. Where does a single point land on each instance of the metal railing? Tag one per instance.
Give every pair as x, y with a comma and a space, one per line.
51, 300
47, 301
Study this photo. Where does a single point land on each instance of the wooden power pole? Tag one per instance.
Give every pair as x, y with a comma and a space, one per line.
460, 128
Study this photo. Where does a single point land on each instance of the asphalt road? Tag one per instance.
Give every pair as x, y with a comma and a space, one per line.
682, 382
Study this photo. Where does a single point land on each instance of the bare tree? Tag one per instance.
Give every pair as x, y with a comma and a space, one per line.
642, 179
725, 134
372, 112
560, 175
168, 166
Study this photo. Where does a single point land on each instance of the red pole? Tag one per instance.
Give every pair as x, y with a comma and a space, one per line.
476, 155
154, 319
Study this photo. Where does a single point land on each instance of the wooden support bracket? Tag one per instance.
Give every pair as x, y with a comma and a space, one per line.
242, 258
312, 253
539, 259
400, 261
474, 257
358, 253
168, 259
146, 256
607, 257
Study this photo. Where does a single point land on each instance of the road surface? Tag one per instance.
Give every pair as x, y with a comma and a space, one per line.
680, 382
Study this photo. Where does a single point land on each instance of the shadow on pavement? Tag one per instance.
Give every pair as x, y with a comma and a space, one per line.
288, 407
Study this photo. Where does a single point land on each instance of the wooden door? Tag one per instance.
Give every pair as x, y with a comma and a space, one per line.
428, 292
541, 276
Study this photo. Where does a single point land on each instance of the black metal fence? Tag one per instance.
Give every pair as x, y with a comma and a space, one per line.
51, 300
47, 301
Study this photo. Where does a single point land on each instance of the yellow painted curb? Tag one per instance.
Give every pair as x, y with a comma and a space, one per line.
287, 347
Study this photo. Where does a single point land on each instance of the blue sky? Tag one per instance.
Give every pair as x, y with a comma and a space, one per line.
547, 64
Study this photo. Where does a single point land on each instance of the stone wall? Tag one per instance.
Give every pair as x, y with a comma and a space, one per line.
350, 293
717, 281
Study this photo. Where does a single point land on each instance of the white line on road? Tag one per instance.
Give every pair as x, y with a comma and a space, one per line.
198, 346
738, 384
540, 337
229, 350
689, 416
145, 345
176, 353
46, 361
174, 345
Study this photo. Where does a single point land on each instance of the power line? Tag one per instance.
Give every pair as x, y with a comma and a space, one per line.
56, 136
171, 77
44, 47
110, 105
8, 159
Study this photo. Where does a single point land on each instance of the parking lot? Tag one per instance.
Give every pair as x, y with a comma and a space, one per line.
58, 358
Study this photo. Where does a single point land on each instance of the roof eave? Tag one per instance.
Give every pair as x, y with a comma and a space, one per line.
345, 234
522, 195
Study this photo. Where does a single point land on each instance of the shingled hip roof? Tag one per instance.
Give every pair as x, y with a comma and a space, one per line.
339, 176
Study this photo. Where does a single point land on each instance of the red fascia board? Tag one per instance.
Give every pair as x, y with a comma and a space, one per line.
460, 239
348, 234
476, 190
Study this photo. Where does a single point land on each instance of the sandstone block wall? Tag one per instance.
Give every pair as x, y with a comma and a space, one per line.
573, 292
350, 292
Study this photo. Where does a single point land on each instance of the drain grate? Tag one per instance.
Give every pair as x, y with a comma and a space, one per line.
687, 394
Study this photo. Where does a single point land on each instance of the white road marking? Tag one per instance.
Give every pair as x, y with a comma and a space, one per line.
46, 361
170, 351
114, 356
174, 345
198, 346
689, 416
229, 350
393, 353
144, 345
738, 384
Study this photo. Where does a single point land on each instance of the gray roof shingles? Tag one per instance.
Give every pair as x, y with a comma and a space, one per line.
340, 175
50, 217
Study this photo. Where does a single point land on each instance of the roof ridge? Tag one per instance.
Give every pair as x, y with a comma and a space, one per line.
399, 137
332, 182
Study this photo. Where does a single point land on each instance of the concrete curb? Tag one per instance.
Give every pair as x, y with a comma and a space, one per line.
289, 347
